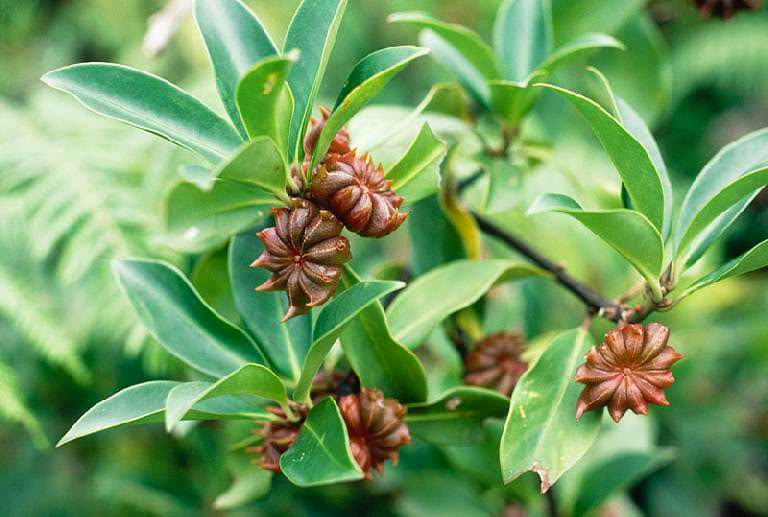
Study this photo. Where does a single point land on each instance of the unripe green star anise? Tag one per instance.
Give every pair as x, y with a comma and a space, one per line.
725, 8
305, 253
376, 428
495, 362
355, 190
628, 371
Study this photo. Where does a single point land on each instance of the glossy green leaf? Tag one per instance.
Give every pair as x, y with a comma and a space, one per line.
747, 186
330, 322
321, 455
366, 80
181, 321
150, 103
632, 160
144, 403
259, 164
465, 41
284, 344
755, 258
732, 162
578, 47
522, 36
638, 128
417, 174
236, 40
443, 245
458, 49
601, 92
626, 231
198, 220
455, 417
378, 359
265, 101
541, 433
253, 379
512, 100
200, 176
434, 296
313, 33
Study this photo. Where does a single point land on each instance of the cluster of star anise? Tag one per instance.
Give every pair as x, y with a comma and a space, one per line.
305, 250
374, 424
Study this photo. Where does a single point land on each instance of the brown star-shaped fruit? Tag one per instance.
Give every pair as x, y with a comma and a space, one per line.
305, 253
628, 371
277, 436
495, 362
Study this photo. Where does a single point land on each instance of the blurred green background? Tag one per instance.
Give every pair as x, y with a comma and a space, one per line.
76, 190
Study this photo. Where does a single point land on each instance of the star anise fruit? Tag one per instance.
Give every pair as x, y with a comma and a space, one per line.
725, 8
628, 371
277, 436
339, 145
305, 253
495, 362
376, 428
355, 190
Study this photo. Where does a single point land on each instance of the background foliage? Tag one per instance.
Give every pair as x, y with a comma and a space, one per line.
76, 191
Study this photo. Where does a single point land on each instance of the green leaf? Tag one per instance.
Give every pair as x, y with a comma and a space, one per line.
577, 48
253, 379
632, 160
458, 49
150, 103
747, 186
417, 174
541, 432
434, 296
378, 359
284, 344
466, 42
330, 322
638, 128
321, 454
259, 164
181, 321
443, 245
522, 36
628, 232
366, 80
145, 403
732, 162
455, 417
755, 258
265, 101
606, 16
313, 32
200, 176
249, 485
512, 100
236, 40
198, 220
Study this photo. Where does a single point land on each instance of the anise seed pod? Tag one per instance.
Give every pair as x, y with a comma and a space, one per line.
725, 8
495, 362
628, 371
304, 252
339, 144
277, 436
354, 189
376, 428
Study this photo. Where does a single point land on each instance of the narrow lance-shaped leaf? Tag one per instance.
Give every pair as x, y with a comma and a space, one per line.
541, 433
236, 40
631, 159
446, 289
150, 103
365, 81
331, 320
321, 454
259, 164
578, 47
455, 417
144, 404
628, 232
522, 36
416, 175
313, 32
733, 161
755, 258
284, 344
181, 321
253, 379
378, 359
